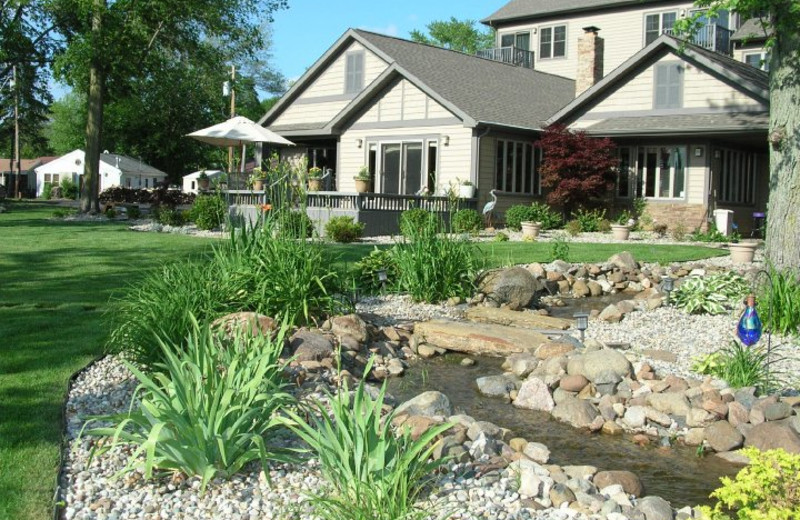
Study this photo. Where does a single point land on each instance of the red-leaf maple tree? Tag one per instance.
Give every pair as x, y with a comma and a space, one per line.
576, 167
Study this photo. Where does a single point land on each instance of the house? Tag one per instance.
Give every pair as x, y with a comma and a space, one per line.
115, 170
27, 180
190, 181
421, 118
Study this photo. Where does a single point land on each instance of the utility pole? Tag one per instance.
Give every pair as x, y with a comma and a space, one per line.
16, 132
233, 113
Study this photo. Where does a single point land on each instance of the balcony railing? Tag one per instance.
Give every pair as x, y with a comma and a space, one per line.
511, 55
711, 37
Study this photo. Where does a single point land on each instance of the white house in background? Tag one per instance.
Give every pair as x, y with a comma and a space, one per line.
115, 170
190, 182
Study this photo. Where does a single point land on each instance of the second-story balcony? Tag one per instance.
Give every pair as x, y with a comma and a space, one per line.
510, 55
710, 36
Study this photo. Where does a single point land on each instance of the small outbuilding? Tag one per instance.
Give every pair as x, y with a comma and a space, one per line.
191, 181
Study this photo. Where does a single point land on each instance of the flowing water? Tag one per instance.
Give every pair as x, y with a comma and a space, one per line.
675, 474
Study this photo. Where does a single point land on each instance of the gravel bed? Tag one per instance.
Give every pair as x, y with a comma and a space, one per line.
393, 308
191, 229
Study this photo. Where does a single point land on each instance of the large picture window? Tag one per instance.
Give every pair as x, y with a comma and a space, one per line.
737, 180
553, 42
662, 172
517, 167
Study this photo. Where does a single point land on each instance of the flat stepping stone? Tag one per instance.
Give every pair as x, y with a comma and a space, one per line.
478, 338
508, 317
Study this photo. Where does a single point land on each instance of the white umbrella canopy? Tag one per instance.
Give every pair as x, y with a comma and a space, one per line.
238, 131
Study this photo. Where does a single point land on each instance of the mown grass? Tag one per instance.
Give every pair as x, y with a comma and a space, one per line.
55, 281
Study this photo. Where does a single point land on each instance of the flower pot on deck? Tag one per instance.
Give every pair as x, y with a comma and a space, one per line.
363, 185
314, 184
466, 191
743, 252
258, 185
620, 231
530, 230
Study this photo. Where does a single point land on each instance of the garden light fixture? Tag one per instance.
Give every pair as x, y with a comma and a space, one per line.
581, 322
667, 285
382, 277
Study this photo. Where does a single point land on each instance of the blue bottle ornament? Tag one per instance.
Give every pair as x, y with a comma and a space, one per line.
750, 327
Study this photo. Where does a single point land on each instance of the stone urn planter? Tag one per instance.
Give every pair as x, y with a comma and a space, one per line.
743, 252
258, 185
530, 230
620, 231
314, 184
363, 185
466, 191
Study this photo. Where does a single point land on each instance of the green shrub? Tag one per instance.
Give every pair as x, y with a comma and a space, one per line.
209, 211
544, 214
589, 220
208, 408
466, 221
368, 267
63, 212
679, 232
111, 213
713, 235
293, 224
573, 228
519, 213
134, 212
344, 229
783, 297
47, 191
374, 473
660, 230
170, 216
69, 190
604, 226
433, 266
767, 489
559, 248
500, 237
712, 294
415, 221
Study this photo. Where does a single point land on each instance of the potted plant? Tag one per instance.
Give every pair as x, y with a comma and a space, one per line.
203, 181
466, 190
621, 229
742, 251
314, 179
530, 229
363, 180
258, 179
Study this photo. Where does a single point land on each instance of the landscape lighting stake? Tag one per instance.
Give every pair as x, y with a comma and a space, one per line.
382, 277
667, 285
581, 322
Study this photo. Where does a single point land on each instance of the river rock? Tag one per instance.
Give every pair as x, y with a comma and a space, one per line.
794, 424
623, 260
553, 349
654, 508
611, 314
772, 435
250, 322
531, 320
635, 416
561, 494
515, 286
629, 481
604, 361
483, 446
580, 289
534, 395
722, 436
486, 428
777, 411
352, 325
577, 412
694, 437
477, 338
521, 365
671, 403
497, 386
737, 413
698, 418
310, 346
537, 452
428, 404
573, 383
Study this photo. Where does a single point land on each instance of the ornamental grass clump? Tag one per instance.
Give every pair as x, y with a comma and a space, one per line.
780, 302
374, 472
713, 294
207, 410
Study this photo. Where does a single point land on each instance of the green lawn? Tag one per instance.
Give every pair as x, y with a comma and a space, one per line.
55, 280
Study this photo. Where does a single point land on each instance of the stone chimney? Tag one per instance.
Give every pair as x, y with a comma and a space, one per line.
590, 60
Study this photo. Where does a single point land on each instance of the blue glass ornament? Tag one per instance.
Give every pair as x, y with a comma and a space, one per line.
750, 327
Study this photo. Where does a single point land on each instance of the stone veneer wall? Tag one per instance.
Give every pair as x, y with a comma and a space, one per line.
692, 216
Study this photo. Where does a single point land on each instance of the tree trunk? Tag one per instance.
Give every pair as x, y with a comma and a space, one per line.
94, 123
783, 209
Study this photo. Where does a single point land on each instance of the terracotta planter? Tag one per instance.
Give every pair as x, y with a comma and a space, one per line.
258, 185
363, 185
743, 252
620, 231
203, 183
466, 191
530, 230
314, 184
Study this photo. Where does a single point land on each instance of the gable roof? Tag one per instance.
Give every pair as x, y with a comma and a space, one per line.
26, 165
129, 165
531, 9
683, 124
751, 31
73, 162
753, 81
477, 90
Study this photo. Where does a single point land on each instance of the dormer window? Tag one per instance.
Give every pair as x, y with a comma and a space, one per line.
354, 72
656, 24
552, 42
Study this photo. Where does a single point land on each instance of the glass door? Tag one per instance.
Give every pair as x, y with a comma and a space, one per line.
401, 168
412, 167
390, 168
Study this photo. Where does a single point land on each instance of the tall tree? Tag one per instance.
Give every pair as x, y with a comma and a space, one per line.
115, 48
65, 131
781, 19
458, 35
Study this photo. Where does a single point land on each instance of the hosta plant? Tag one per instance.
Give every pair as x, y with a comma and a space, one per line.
714, 294
208, 409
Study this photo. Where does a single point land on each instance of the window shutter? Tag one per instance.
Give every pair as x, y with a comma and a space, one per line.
668, 86
354, 73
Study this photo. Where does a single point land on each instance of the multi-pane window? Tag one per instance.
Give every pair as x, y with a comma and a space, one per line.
553, 42
737, 180
657, 23
662, 172
759, 60
51, 178
626, 173
517, 167
519, 40
354, 72
668, 85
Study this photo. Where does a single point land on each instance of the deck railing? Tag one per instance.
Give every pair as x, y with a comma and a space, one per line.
710, 36
511, 55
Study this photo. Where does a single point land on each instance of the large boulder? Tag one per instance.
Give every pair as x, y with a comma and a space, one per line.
654, 508
515, 286
245, 322
577, 412
350, 325
773, 435
623, 260
602, 362
497, 386
671, 403
427, 404
722, 436
534, 395
310, 346
628, 480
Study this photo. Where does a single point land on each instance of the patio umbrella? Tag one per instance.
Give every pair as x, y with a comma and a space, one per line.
238, 131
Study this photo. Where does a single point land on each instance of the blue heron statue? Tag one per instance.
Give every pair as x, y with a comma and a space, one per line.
489, 207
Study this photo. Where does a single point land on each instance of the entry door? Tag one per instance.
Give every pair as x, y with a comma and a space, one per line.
401, 168
390, 182
412, 167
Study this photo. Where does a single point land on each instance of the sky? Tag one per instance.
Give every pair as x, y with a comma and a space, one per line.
302, 33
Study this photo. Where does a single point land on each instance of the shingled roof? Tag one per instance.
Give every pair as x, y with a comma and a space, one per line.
681, 124
751, 30
487, 91
531, 9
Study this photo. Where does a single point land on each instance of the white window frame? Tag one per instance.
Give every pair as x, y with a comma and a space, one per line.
516, 36
642, 176
661, 28
552, 55
353, 81
403, 176
534, 173
763, 59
